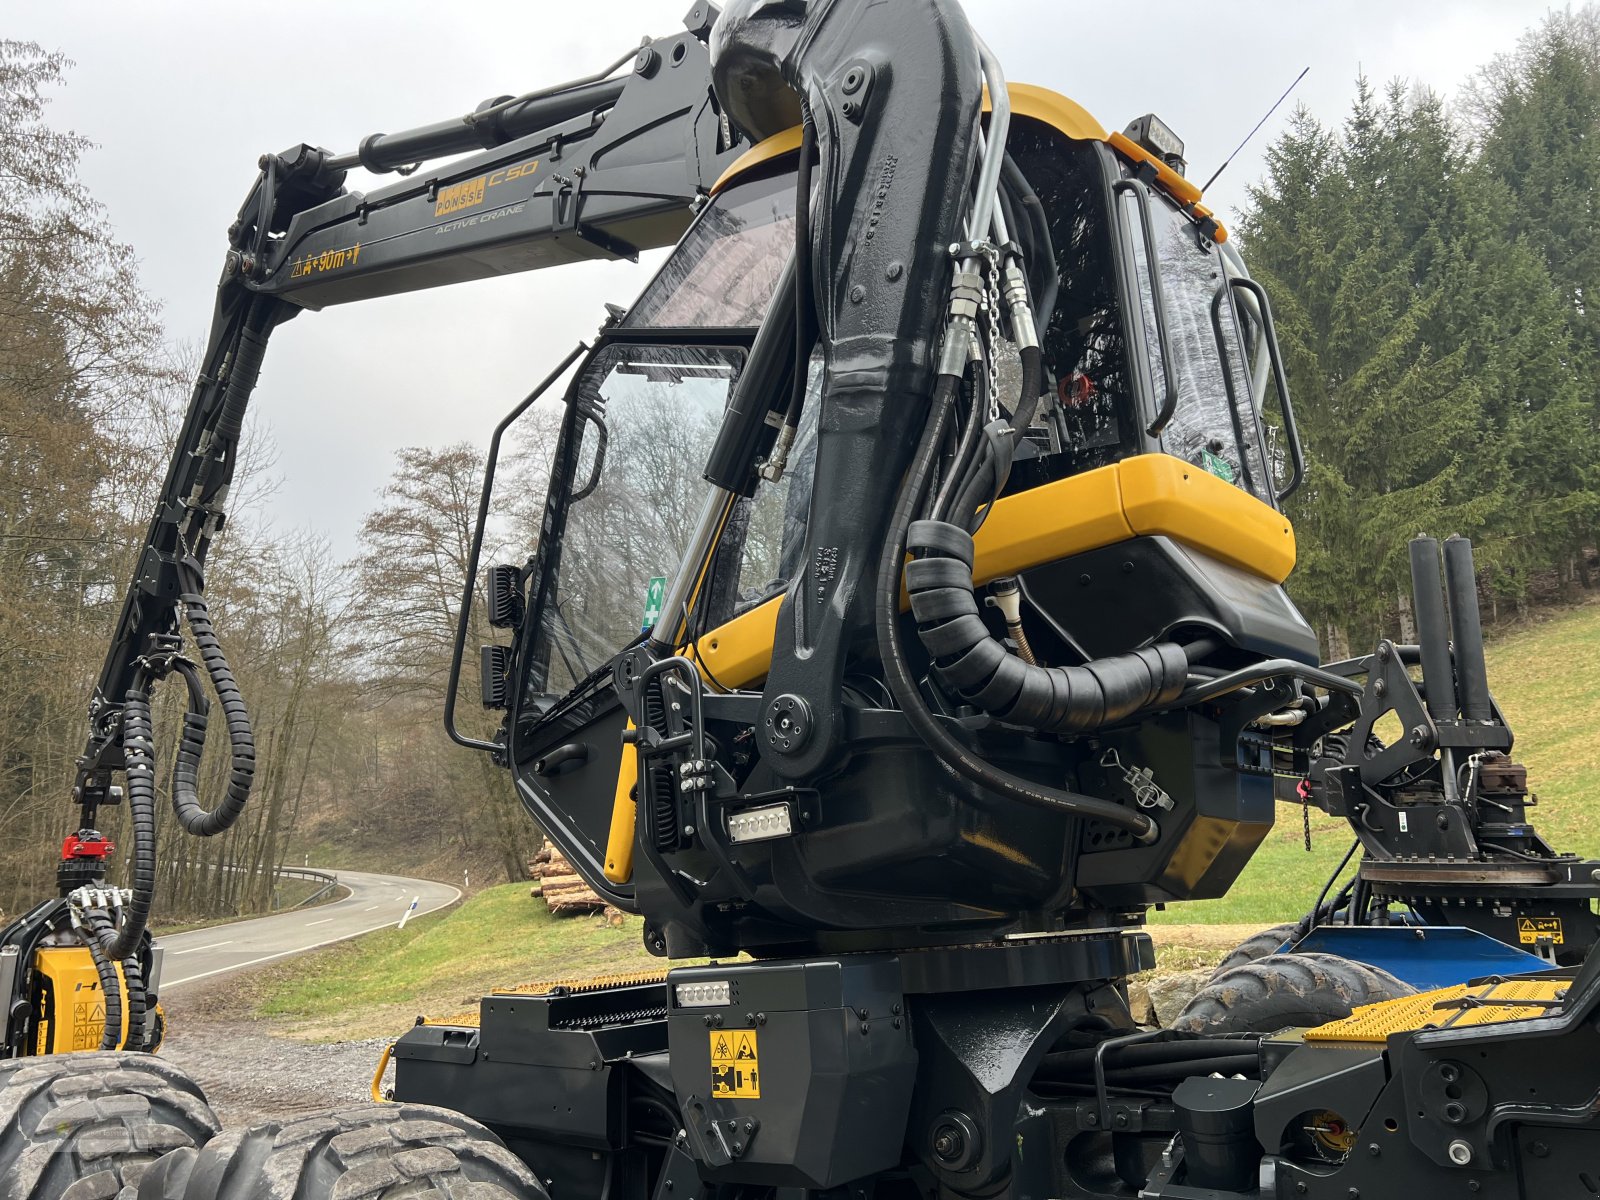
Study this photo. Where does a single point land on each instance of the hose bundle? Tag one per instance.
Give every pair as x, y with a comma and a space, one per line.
972, 663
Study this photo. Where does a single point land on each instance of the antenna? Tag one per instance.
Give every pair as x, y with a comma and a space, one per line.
1252, 133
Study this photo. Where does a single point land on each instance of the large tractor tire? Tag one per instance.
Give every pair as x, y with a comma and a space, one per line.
87, 1126
1268, 941
1287, 991
360, 1152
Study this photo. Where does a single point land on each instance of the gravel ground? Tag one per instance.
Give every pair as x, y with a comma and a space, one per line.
249, 1074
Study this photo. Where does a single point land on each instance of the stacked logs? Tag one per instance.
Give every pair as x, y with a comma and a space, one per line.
563, 889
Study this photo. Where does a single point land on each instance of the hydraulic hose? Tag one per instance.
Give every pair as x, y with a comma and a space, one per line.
101, 933
137, 1003
186, 764
955, 757
138, 748
982, 671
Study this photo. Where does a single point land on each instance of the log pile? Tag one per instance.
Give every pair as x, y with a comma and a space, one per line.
563, 889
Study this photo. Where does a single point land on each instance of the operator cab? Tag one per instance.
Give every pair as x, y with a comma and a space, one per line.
1144, 502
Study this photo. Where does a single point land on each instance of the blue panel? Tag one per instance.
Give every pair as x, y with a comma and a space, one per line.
1431, 957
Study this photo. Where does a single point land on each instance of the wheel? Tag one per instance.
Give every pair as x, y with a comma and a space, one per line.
85, 1126
1268, 941
1284, 991
361, 1152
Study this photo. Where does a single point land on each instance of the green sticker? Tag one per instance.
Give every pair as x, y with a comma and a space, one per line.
1217, 465
654, 596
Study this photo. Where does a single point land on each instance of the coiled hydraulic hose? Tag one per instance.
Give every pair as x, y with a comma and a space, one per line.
954, 756
982, 671
138, 742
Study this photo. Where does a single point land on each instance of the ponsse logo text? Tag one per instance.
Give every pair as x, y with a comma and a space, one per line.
470, 193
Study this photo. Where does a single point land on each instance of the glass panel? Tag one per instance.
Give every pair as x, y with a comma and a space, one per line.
1091, 421
1204, 430
726, 268
661, 407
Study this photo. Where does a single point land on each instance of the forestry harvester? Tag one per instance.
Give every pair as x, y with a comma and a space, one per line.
971, 648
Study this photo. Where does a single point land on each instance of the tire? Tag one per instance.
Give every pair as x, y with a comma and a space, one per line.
1258, 946
87, 1126
359, 1152
1287, 991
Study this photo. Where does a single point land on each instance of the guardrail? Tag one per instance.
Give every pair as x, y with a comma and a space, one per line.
328, 879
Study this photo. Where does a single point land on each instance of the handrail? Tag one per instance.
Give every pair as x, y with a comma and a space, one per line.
1169, 401
477, 548
1291, 431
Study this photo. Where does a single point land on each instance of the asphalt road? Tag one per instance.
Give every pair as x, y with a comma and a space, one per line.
375, 902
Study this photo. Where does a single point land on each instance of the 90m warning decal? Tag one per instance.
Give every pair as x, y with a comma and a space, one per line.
735, 1064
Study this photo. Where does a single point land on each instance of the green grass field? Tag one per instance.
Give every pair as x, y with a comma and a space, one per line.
1547, 680
440, 964
1546, 677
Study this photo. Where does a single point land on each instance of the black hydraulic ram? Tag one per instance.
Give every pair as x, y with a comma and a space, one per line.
1466, 629
1433, 629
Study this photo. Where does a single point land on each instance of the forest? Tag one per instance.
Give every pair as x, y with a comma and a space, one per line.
1430, 258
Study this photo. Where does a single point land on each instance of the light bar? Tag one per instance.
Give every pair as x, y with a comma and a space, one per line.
1156, 136
704, 995
759, 824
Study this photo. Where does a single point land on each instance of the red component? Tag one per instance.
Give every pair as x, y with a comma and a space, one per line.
1076, 390
85, 844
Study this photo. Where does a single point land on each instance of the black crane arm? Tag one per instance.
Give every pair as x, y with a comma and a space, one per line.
602, 167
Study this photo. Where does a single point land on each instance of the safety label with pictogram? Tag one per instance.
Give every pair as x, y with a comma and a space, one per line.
1531, 930
735, 1063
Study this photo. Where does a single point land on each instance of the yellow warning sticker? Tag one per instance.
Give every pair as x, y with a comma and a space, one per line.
1530, 930
735, 1063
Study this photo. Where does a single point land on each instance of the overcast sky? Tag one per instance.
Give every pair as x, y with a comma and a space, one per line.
182, 97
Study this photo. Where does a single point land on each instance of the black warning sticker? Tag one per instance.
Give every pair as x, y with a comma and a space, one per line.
735, 1063
1531, 930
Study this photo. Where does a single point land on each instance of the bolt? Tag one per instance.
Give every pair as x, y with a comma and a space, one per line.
1374, 1150
1385, 651
1354, 1194
893, 272
1473, 1185
857, 294
646, 62
853, 80
1300, 1188
749, 1126
738, 1147
1539, 1150
850, 109
1380, 688
947, 1143
1083, 581
1122, 1120
1092, 1120
1460, 1153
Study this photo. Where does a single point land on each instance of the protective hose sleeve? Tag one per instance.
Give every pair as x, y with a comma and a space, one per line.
186, 764
138, 748
135, 1002
970, 662
101, 933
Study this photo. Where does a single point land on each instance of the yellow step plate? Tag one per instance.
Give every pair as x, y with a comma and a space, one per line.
1446, 1008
